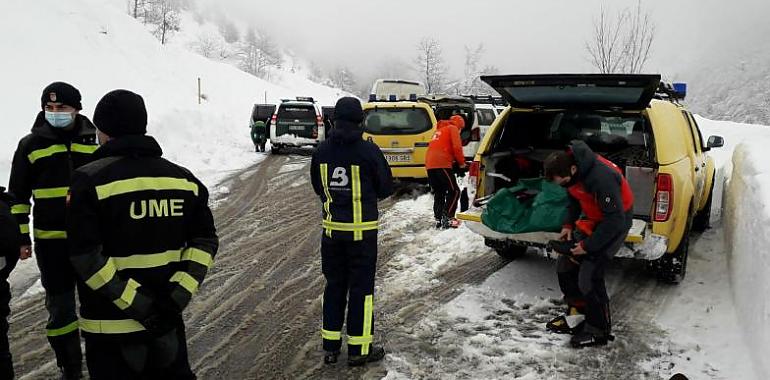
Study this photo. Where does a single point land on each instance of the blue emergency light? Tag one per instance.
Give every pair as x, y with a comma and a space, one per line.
392, 98
412, 97
680, 89
372, 97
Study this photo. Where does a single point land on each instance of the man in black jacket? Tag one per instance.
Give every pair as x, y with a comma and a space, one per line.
61, 141
349, 175
142, 239
9, 255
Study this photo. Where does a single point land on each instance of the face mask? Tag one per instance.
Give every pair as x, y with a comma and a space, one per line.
59, 119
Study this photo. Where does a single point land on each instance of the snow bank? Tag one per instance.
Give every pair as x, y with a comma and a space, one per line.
734, 134
747, 222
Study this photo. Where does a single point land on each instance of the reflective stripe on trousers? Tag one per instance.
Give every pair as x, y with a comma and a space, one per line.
365, 340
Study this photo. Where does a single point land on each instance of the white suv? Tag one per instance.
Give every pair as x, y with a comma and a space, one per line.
296, 123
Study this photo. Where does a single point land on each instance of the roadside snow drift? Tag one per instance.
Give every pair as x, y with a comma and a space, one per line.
748, 221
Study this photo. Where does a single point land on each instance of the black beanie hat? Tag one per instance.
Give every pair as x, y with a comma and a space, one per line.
60, 92
348, 109
120, 113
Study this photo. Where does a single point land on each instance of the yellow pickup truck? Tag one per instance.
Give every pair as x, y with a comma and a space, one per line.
631, 120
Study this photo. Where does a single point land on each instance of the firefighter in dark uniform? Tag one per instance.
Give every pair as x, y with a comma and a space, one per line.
142, 239
350, 175
61, 141
9, 255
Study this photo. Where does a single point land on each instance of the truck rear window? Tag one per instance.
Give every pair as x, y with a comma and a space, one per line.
397, 121
297, 112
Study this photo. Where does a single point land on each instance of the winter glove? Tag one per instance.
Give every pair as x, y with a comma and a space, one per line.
178, 297
162, 318
457, 170
564, 247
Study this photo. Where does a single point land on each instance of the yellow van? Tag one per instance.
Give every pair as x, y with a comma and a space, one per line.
631, 120
402, 130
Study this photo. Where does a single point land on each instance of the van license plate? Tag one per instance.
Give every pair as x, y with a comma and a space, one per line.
296, 127
398, 157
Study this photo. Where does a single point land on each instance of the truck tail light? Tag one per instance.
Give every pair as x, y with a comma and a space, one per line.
664, 197
473, 177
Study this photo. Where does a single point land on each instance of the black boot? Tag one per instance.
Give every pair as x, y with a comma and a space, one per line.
376, 353
6, 366
70, 373
330, 357
591, 336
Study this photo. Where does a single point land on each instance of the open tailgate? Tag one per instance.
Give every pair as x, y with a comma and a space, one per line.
595, 91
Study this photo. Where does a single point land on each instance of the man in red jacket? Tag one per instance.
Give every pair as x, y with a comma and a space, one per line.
444, 150
597, 190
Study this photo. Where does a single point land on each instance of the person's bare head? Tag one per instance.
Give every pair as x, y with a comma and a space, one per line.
560, 168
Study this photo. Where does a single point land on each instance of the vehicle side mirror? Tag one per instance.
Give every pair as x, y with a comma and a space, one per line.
715, 142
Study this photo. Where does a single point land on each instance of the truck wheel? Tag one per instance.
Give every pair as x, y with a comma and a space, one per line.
701, 222
275, 149
672, 267
511, 253
506, 250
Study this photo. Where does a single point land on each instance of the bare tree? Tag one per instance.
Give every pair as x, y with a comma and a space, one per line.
140, 9
430, 64
258, 53
229, 30
315, 72
343, 79
210, 45
471, 71
639, 38
472, 83
164, 14
605, 48
623, 44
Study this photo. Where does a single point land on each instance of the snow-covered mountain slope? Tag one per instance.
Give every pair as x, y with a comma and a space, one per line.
741, 91
97, 47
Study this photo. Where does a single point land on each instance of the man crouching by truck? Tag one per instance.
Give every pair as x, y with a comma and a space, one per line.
598, 190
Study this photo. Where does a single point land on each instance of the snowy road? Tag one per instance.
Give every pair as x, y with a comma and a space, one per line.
258, 313
446, 306
496, 330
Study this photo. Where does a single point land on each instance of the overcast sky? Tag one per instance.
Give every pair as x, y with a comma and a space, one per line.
519, 36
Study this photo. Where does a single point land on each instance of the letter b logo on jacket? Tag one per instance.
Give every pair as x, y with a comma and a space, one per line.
339, 177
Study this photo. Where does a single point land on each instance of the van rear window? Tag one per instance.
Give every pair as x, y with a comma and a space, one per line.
397, 121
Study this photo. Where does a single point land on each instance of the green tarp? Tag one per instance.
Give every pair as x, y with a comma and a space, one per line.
512, 211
